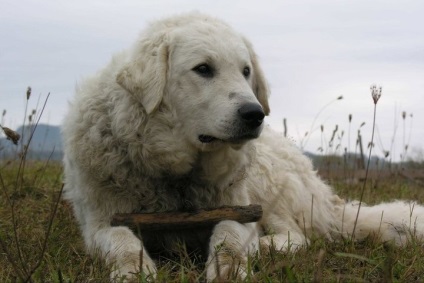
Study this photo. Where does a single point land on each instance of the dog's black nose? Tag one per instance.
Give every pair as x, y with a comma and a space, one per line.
251, 114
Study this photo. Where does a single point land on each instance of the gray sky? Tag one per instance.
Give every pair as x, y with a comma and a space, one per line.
311, 52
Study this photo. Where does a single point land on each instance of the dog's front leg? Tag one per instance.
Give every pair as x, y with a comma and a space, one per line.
230, 245
123, 250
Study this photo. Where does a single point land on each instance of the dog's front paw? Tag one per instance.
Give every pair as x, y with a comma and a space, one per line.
280, 242
128, 269
223, 267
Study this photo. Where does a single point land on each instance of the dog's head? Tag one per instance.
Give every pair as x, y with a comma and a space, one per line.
206, 74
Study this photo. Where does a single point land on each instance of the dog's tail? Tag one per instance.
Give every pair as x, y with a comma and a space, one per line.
397, 221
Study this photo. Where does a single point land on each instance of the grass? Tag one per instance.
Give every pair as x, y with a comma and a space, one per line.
65, 259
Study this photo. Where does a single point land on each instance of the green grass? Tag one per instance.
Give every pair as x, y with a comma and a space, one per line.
35, 193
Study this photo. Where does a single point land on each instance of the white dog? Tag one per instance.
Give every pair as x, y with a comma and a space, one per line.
176, 123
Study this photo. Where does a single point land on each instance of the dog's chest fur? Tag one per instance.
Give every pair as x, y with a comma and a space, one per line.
188, 193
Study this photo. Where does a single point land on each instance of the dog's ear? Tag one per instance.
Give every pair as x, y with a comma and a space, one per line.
260, 86
145, 76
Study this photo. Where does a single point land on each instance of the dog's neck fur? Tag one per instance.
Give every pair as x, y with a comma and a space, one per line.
221, 168
225, 166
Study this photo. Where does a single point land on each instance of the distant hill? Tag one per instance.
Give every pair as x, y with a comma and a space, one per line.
350, 160
45, 142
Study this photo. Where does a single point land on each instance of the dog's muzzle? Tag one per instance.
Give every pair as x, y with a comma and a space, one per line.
249, 119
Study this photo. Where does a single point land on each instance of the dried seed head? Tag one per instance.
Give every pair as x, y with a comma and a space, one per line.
334, 133
375, 93
362, 124
28, 93
350, 118
403, 115
386, 154
322, 128
340, 97
11, 135
4, 112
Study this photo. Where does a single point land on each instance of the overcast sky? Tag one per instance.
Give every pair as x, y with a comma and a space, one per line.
311, 52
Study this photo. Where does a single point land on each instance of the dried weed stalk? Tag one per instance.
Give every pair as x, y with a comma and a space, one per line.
375, 94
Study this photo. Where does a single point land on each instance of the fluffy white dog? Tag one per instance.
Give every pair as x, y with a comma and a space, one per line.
176, 123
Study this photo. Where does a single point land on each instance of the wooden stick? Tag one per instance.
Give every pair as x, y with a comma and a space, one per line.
187, 220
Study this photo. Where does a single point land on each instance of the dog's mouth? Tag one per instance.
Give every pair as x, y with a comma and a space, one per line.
206, 139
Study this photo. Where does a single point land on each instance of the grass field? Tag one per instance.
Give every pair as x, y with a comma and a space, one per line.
28, 214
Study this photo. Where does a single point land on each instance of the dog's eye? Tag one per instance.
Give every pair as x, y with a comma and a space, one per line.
246, 72
204, 70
